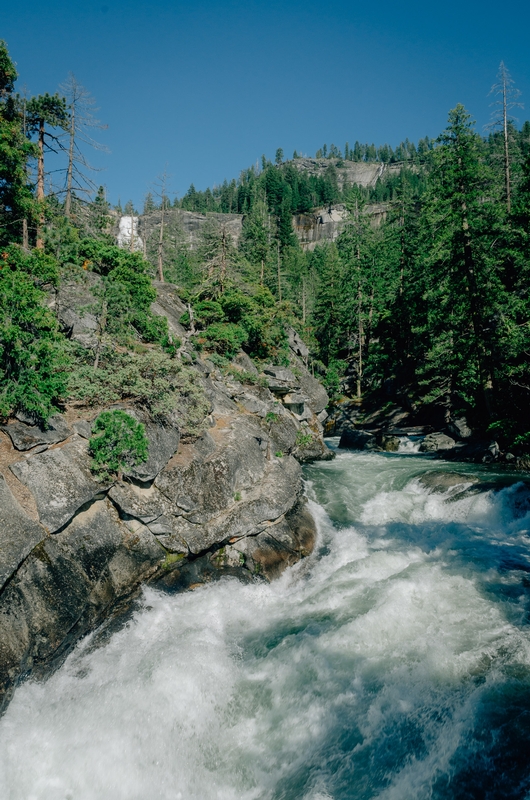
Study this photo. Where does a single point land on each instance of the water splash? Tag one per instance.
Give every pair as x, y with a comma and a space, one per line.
393, 663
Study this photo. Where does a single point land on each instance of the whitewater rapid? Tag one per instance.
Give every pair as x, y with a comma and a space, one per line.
393, 663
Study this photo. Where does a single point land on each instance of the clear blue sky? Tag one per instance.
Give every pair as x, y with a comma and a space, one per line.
204, 88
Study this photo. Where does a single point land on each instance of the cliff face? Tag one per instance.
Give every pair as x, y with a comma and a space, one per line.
321, 225
73, 551
348, 172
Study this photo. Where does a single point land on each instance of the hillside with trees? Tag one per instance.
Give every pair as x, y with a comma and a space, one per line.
429, 309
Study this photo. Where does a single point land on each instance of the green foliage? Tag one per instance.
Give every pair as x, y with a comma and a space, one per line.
271, 417
32, 359
225, 338
16, 200
161, 385
332, 379
118, 443
303, 437
243, 376
43, 268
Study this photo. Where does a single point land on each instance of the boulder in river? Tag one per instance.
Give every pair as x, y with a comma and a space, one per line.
436, 441
390, 443
438, 481
358, 440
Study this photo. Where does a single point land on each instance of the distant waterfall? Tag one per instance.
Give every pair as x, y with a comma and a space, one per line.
128, 230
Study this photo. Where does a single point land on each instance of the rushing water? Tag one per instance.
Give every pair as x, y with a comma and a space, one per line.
394, 663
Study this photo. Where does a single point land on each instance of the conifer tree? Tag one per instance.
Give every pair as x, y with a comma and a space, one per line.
16, 201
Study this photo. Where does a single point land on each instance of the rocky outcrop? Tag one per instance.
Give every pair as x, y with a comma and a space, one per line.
227, 501
435, 442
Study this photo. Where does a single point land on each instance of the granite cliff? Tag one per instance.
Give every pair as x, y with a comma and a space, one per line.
228, 500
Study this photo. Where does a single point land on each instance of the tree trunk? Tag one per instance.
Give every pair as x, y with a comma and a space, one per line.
68, 201
40, 187
160, 243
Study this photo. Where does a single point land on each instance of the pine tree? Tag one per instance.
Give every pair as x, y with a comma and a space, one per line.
44, 112
16, 201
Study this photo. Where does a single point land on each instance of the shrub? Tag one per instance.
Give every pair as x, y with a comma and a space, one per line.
205, 312
161, 385
42, 267
118, 442
223, 337
32, 358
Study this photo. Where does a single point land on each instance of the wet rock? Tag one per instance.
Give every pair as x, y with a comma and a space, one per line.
358, 440
390, 443
478, 452
24, 436
18, 533
60, 481
438, 481
436, 441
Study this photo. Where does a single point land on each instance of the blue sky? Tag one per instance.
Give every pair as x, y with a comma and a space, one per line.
203, 89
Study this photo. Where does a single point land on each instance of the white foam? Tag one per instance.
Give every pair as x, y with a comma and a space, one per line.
266, 691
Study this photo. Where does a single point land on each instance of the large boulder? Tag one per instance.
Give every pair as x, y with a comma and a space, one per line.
438, 481
75, 308
168, 304
61, 482
436, 441
280, 380
316, 396
25, 436
358, 440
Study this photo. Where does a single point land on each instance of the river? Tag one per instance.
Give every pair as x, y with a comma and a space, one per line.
394, 663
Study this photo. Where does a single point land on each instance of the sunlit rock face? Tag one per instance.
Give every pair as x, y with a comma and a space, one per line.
129, 230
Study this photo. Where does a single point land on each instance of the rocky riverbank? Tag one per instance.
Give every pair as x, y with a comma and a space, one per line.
384, 426
74, 550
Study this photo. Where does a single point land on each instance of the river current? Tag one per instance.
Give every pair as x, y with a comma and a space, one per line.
394, 663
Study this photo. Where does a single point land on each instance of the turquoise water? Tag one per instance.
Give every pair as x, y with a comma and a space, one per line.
393, 663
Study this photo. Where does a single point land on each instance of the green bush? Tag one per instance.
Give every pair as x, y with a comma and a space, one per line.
205, 312
40, 266
118, 443
32, 358
225, 338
